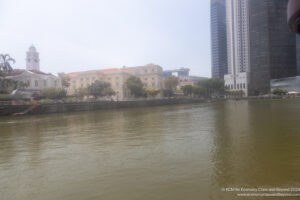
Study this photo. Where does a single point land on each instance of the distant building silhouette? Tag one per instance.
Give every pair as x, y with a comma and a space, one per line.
181, 72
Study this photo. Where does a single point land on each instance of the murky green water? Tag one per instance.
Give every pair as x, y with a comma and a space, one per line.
174, 152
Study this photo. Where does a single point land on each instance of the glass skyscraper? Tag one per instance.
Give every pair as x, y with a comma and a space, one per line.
261, 46
218, 38
298, 54
272, 44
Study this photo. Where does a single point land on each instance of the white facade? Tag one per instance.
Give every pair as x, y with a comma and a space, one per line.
32, 76
238, 48
32, 59
36, 80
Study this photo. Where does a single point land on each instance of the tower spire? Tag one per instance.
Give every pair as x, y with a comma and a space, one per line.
32, 59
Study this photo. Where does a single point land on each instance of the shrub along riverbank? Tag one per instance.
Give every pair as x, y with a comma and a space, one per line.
61, 107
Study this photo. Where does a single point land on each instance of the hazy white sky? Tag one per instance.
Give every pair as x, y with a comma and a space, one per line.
75, 35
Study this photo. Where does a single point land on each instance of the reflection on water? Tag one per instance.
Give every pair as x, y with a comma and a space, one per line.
172, 152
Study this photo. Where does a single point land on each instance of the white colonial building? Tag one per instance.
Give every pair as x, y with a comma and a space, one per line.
32, 76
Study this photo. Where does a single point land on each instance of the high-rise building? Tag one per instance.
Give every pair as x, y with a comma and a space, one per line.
32, 59
272, 44
298, 54
218, 38
261, 46
237, 21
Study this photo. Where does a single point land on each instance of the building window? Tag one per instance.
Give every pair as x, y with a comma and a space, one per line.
153, 70
55, 83
109, 78
146, 79
45, 83
36, 83
153, 84
146, 71
153, 78
244, 86
238, 86
28, 83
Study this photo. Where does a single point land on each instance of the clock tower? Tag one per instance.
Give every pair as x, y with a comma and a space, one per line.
32, 59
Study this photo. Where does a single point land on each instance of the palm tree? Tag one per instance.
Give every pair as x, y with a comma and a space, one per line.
5, 63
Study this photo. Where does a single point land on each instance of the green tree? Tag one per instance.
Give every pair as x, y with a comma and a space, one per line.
235, 93
152, 92
8, 85
280, 92
53, 93
171, 83
187, 90
100, 89
6, 66
65, 80
213, 87
168, 93
81, 92
5, 63
108, 92
198, 91
136, 87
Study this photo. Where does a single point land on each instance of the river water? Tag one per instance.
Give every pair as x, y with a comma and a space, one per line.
170, 153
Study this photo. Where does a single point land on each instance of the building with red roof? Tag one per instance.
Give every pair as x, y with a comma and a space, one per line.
150, 75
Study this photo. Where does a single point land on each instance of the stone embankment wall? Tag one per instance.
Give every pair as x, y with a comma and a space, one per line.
87, 106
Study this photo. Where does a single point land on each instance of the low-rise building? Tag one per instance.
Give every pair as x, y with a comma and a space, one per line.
150, 75
290, 84
35, 80
32, 76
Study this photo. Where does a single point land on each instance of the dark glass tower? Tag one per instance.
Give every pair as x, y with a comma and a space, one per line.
298, 54
272, 44
218, 39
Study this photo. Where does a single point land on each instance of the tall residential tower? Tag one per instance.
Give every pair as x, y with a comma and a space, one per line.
237, 19
218, 38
